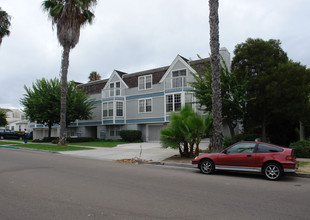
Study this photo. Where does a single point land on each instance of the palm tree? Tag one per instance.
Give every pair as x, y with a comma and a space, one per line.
217, 140
4, 24
68, 16
93, 76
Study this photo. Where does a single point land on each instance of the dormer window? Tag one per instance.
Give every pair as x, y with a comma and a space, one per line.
115, 89
145, 82
179, 78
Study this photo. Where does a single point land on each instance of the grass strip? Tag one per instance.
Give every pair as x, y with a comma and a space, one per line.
51, 147
99, 143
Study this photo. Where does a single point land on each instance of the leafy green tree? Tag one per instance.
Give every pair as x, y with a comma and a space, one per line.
42, 102
3, 121
93, 76
257, 60
233, 94
217, 138
5, 23
288, 91
186, 130
68, 16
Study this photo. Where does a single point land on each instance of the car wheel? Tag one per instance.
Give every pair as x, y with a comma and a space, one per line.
1, 137
206, 166
273, 171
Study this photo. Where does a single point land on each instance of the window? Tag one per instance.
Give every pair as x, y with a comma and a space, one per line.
145, 82
107, 109
178, 78
145, 105
119, 108
114, 130
115, 89
173, 102
111, 89
242, 148
264, 148
189, 99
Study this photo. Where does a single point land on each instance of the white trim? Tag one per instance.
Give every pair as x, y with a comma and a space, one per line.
178, 58
144, 99
145, 76
110, 78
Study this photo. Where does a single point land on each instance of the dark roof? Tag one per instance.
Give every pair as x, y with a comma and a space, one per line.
131, 79
93, 87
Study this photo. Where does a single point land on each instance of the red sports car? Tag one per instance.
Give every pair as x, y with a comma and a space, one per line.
271, 160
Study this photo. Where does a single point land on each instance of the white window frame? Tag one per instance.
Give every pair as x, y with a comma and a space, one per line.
173, 102
122, 109
178, 78
114, 90
108, 109
143, 81
144, 101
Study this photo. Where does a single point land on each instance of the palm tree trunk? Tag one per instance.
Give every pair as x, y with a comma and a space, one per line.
216, 142
63, 95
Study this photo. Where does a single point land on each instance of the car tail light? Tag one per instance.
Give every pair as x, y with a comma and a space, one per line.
290, 158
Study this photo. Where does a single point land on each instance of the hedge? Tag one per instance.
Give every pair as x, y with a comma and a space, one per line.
301, 148
131, 135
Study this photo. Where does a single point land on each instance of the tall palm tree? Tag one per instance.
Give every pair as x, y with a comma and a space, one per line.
4, 24
217, 139
68, 16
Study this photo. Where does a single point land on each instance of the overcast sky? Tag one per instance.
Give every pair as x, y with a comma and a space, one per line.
136, 35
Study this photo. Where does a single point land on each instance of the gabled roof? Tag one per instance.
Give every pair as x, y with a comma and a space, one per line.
132, 79
182, 60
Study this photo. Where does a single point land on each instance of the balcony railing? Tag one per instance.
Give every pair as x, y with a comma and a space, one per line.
180, 82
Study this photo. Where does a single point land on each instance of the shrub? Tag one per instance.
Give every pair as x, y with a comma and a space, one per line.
301, 148
228, 141
131, 135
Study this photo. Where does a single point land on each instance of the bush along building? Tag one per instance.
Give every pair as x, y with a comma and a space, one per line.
137, 101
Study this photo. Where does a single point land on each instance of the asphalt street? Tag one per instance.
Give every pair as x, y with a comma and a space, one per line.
41, 185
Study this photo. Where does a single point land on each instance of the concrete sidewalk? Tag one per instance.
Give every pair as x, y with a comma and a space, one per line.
145, 151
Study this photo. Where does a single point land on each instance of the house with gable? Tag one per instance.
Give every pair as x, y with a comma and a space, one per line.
139, 101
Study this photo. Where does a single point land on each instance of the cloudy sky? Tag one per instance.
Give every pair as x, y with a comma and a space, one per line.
136, 35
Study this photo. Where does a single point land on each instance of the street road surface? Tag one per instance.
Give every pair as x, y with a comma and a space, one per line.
41, 185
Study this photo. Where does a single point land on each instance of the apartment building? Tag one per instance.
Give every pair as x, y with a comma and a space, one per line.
139, 101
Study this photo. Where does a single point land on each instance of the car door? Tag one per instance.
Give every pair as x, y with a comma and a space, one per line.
240, 156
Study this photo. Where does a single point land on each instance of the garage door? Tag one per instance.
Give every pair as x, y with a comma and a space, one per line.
154, 132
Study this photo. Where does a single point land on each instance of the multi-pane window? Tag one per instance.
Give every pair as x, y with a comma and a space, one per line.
145, 105
178, 78
114, 130
115, 89
119, 108
189, 99
145, 82
110, 108
107, 109
173, 102
111, 89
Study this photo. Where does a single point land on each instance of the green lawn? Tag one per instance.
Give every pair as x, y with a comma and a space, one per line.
303, 164
7, 142
50, 147
99, 143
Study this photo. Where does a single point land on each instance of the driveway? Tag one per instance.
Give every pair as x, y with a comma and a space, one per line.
146, 151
